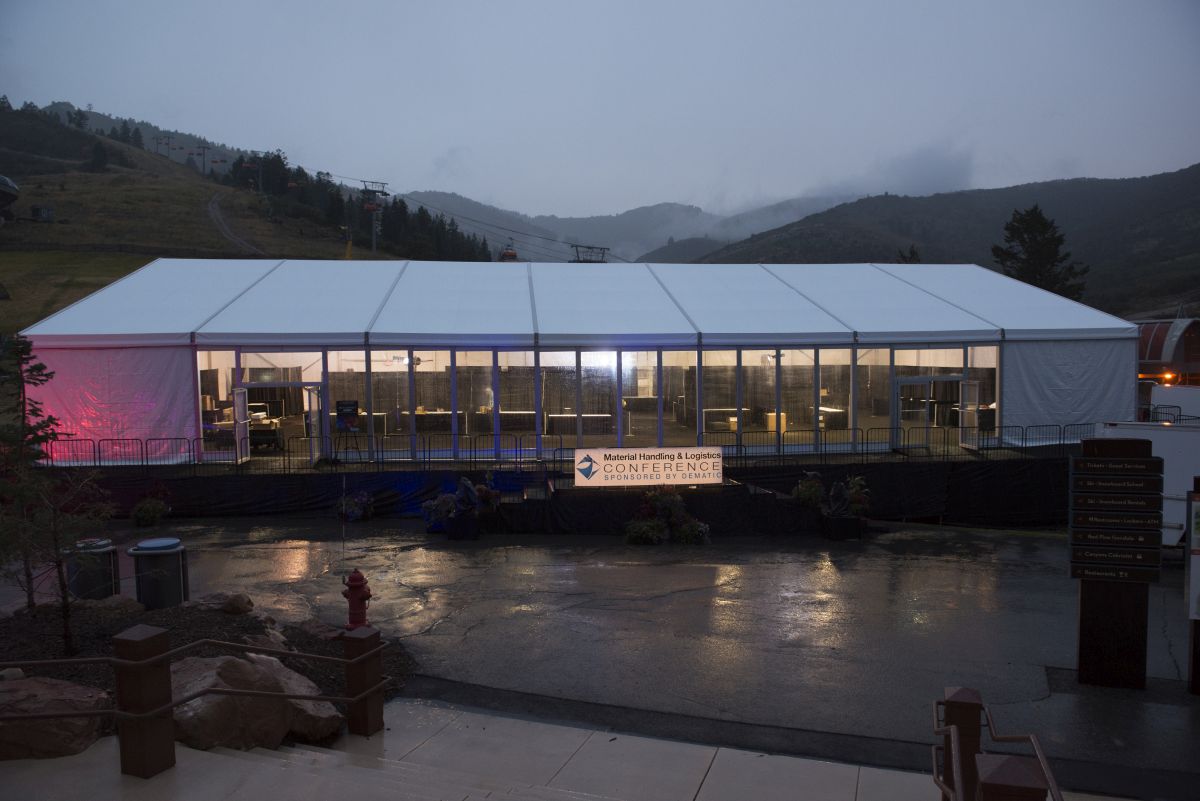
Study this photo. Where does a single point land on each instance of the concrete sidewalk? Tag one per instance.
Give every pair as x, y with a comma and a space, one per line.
434, 751
801, 646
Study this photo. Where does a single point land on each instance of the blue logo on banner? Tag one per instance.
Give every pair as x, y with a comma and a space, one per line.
587, 466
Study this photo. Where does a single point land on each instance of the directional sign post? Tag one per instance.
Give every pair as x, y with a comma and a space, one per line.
1116, 523
1193, 585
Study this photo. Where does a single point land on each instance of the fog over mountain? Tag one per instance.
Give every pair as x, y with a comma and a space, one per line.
584, 110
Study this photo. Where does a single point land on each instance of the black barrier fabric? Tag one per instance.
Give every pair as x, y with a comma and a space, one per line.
999, 493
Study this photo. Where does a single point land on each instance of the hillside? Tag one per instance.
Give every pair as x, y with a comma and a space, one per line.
1141, 236
681, 251
113, 220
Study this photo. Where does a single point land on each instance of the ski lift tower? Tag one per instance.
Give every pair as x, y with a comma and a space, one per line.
374, 192
589, 254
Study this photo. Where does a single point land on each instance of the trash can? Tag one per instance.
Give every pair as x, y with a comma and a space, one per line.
160, 572
92, 569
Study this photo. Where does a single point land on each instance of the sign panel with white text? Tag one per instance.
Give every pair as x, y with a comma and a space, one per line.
646, 467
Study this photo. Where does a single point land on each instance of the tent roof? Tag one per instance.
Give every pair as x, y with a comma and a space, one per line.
225, 303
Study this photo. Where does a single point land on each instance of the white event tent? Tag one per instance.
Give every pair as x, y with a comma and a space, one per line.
130, 359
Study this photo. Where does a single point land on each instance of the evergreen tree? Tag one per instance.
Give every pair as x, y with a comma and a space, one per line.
124, 135
25, 432
4, 104
135, 138
99, 160
77, 118
1033, 253
29, 105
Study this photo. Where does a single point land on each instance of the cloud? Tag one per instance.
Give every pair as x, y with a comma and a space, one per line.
451, 164
924, 171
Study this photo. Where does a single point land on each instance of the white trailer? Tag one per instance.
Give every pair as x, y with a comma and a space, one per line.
1179, 447
1186, 398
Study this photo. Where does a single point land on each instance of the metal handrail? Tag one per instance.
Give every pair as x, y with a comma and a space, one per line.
113, 661
950, 793
183, 649
1032, 739
117, 713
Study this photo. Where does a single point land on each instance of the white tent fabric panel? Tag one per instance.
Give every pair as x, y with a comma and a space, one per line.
1023, 311
734, 304
305, 303
1068, 382
606, 305
120, 393
463, 304
882, 308
161, 303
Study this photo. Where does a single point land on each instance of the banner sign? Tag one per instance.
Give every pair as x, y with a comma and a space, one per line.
647, 467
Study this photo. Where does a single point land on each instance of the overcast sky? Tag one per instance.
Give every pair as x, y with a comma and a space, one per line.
570, 108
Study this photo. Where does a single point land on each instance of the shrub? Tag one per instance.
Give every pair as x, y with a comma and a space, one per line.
149, 512
662, 517
809, 491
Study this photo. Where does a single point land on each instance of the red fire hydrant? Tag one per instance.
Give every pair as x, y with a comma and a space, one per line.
358, 594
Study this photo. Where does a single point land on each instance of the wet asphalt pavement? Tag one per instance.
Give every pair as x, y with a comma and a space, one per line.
855, 638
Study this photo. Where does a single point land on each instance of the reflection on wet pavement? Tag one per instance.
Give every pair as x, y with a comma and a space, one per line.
855, 637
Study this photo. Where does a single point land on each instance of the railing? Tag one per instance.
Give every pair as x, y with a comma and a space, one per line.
360, 452
959, 719
142, 666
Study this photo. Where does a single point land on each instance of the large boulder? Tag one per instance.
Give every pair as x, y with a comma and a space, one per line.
237, 603
23, 739
229, 720
312, 721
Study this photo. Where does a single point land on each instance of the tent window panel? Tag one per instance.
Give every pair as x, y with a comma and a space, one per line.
679, 397
348, 383
639, 402
834, 413
216, 401
600, 401
758, 390
874, 398
267, 367
918, 362
982, 365
517, 415
431, 385
476, 398
720, 392
389, 391
797, 376
558, 398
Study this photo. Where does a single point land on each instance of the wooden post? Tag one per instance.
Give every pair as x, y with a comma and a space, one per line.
1010, 778
147, 744
364, 717
964, 709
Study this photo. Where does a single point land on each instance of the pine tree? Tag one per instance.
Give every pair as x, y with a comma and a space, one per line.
135, 138
125, 135
4, 104
25, 433
1033, 254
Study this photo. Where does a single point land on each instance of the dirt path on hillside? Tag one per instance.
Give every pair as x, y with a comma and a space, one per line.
214, 214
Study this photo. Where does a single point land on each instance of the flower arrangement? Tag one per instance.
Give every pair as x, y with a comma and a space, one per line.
662, 517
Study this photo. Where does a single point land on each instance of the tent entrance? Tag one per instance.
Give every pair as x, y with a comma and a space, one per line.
920, 405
